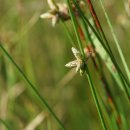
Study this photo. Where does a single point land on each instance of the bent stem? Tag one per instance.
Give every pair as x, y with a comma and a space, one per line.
44, 102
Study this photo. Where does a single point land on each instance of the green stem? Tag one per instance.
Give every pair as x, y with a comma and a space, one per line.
44, 102
75, 25
108, 51
5, 124
101, 32
68, 34
95, 99
116, 41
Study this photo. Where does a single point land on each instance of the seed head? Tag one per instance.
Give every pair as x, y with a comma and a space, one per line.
79, 63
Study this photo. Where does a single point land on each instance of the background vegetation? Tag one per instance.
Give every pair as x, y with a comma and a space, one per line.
42, 52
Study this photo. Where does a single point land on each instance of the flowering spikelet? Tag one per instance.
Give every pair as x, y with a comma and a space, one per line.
79, 63
57, 11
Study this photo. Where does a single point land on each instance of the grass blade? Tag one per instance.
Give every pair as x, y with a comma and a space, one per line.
44, 102
75, 25
5, 124
122, 78
96, 99
116, 41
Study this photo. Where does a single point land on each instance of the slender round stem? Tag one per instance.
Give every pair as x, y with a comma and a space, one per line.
92, 87
44, 102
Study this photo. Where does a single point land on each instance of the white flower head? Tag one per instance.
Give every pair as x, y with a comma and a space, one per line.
79, 63
56, 12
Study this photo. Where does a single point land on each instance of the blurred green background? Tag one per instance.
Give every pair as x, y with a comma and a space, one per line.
42, 51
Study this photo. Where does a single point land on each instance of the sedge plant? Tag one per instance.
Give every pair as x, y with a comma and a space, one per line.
91, 44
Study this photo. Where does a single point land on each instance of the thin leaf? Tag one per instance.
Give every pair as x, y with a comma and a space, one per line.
43, 100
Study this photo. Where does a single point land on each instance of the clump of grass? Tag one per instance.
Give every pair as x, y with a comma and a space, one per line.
111, 91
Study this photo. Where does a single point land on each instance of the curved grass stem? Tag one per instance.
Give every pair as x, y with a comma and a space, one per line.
44, 102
